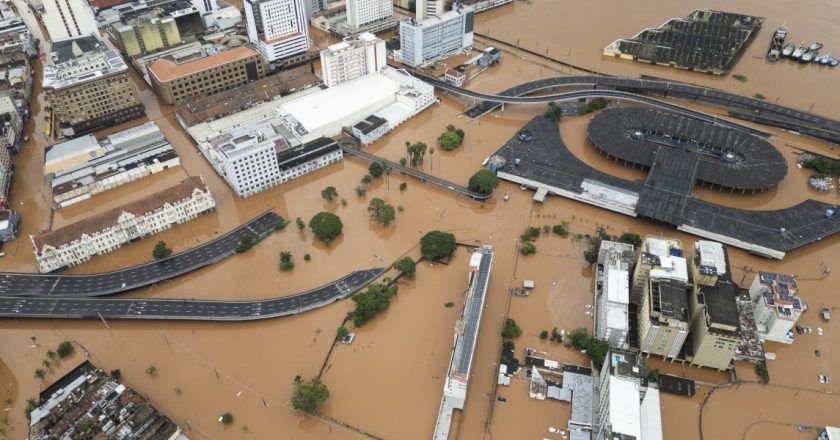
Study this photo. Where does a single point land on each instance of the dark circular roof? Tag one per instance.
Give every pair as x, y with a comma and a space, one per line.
728, 157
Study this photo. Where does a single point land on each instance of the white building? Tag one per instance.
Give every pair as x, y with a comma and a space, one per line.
612, 293
777, 307
422, 42
361, 13
428, 8
5, 175
626, 406
352, 58
69, 18
102, 233
302, 160
278, 28
247, 156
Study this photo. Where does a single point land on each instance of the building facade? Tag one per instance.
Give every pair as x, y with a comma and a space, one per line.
428, 8
88, 86
626, 406
147, 34
362, 13
776, 305
5, 176
177, 82
278, 28
715, 324
299, 161
69, 18
352, 58
108, 231
11, 127
422, 42
612, 293
660, 289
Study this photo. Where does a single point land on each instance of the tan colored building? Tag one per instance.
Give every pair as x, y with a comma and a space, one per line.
88, 86
176, 82
147, 34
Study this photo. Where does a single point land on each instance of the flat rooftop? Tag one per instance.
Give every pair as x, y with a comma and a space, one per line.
165, 69
670, 299
720, 303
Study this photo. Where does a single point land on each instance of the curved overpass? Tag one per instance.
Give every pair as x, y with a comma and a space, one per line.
142, 275
185, 309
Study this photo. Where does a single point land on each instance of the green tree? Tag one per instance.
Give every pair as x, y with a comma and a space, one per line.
437, 244
416, 153
116, 374
544, 334
226, 418
366, 179
300, 224
406, 266
326, 226
307, 257
64, 349
381, 211
40, 373
329, 193
246, 243
653, 374
51, 355
403, 186
597, 350
308, 396
371, 302
483, 182
578, 337
761, 371
161, 251
31, 404
511, 329
361, 191
530, 233
286, 262
508, 345
376, 169
341, 333
562, 229
449, 140
152, 370
403, 161
631, 238
528, 248
554, 112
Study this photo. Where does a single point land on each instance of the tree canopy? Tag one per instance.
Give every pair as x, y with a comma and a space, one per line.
372, 301
437, 244
326, 226
511, 330
329, 193
161, 251
406, 266
381, 211
631, 238
308, 396
451, 138
554, 112
416, 152
484, 181
376, 169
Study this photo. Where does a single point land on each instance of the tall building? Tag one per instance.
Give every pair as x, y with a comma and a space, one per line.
352, 58
175, 82
612, 293
660, 291
776, 305
429, 8
715, 325
422, 42
626, 407
312, 7
105, 232
278, 28
69, 18
146, 34
364, 12
88, 86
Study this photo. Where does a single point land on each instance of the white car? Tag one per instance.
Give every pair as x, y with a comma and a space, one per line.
819, 331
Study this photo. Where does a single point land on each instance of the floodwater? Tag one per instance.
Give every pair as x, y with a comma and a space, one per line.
389, 381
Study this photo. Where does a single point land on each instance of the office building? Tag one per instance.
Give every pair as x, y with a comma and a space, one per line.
69, 18
428, 8
247, 156
5, 176
362, 13
715, 323
105, 232
776, 305
352, 58
278, 28
626, 406
175, 82
83, 167
660, 289
146, 34
314, 7
9, 221
423, 42
11, 127
612, 293
88, 86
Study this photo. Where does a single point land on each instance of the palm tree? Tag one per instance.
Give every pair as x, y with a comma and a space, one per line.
45, 363
52, 355
40, 373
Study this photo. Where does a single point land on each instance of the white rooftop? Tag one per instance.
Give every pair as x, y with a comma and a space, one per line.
711, 254
671, 266
625, 408
651, 415
618, 286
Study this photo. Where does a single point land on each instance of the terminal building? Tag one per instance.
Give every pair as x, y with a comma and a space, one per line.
88, 86
776, 305
278, 28
437, 37
108, 231
352, 58
715, 322
83, 167
612, 293
660, 282
626, 406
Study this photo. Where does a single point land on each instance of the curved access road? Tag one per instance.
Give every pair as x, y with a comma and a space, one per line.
109, 283
185, 309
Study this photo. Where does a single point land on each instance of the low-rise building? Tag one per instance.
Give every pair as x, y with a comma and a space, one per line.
299, 161
660, 289
83, 167
88, 86
422, 42
105, 232
352, 58
370, 129
9, 221
715, 323
612, 293
626, 406
456, 76
11, 121
175, 82
776, 305
491, 56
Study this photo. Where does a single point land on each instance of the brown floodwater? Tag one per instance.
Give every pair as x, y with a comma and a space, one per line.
389, 381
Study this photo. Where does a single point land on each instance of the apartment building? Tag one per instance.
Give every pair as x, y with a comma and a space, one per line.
105, 232
436, 37
776, 305
352, 58
175, 82
660, 289
715, 324
146, 34
278, 28
68, 18
612, 293
362, 13
626, 406
88, 86
429, 8
5, 176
